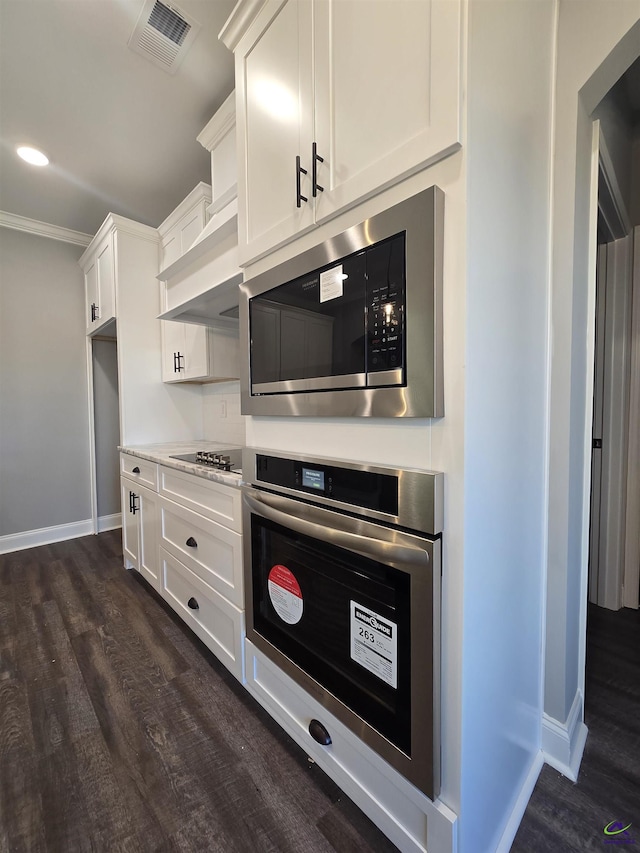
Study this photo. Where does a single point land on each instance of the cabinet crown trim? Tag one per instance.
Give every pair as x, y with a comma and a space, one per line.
239, 22
219, 125
114, 223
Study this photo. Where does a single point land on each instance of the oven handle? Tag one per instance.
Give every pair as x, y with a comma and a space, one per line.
367, 546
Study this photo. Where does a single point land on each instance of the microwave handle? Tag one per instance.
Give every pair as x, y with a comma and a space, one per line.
376, 549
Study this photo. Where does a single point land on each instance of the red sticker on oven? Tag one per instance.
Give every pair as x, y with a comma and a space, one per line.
285, 594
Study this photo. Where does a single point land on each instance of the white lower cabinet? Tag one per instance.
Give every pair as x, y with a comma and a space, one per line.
183, 534
218, 623
414, 823
140, 530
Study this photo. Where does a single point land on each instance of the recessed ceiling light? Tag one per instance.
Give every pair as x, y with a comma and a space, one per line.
32, 155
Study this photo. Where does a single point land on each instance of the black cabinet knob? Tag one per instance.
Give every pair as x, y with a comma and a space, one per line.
193, 604
319, 733
191, 542
136, 470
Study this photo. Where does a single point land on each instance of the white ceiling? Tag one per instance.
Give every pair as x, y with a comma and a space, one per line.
119, 131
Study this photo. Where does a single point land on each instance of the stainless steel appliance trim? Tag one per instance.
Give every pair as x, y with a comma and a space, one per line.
384, 377
422, 218
423, 767
393, 551
356, 380
420, 493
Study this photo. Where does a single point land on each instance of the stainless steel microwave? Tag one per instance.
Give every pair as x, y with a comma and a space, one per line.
353, 326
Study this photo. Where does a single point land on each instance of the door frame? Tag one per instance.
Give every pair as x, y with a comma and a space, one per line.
631, 576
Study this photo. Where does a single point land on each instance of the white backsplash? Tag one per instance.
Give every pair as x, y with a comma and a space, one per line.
221, 413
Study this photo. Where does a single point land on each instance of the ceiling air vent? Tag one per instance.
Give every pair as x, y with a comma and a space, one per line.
163, 34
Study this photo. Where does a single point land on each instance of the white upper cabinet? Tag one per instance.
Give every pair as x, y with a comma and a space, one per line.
99, 280
180, 229
338, 99
275, 126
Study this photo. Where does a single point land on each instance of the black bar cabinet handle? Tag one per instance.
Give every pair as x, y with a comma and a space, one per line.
299, 171
94, 312
193, 604
130, 501
315, 159
319, 733
191, 542
136, 507
135, 470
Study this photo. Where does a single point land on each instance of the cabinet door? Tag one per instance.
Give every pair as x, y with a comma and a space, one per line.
274, 83
106, 282
196, 352
130, 524
387, 93
173, 354
91, 296
149, 536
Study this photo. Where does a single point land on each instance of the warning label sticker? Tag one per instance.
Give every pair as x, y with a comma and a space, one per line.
285, 594
331, 284
374, 643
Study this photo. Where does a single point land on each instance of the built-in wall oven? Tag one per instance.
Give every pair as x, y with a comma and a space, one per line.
342, 591
353, 326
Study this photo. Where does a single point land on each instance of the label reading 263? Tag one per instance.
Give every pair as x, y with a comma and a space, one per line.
374, 642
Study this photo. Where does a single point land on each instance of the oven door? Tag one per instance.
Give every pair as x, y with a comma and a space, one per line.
350, 610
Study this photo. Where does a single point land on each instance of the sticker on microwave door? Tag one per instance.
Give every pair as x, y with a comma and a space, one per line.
285, 594
374, 643
331, 286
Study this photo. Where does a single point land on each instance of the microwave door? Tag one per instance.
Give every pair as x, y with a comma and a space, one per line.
309, 334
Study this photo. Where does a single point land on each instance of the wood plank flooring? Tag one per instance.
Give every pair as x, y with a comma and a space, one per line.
568, 817
119, 731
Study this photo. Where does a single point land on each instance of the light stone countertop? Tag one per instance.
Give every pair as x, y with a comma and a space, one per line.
162, 453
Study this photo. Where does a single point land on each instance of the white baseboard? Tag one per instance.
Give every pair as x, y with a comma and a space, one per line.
109, 522
58, 533
563, 743
44, 536
520, 805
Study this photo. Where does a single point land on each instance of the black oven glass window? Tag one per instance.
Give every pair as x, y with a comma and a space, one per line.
342, 618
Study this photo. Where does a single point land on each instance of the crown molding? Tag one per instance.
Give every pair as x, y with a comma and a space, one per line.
43, 229
239, 22
222, 122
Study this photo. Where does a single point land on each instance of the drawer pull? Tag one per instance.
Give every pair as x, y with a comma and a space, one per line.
191, 542
136, 470
193, 604
319, 733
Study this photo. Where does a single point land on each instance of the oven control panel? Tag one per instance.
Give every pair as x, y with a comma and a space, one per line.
360, 488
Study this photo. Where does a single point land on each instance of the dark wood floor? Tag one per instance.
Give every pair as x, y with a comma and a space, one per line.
568, 817
119, 731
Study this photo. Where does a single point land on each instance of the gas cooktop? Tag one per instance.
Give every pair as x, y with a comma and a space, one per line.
223, 459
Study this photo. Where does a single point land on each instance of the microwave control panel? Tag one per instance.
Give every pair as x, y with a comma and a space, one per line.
385, 308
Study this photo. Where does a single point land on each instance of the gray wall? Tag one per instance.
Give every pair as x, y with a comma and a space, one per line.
107, 427
44, 433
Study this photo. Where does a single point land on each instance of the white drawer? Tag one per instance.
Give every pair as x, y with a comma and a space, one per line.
211, 551
213, 500
400, 810
215, 620
140, 470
